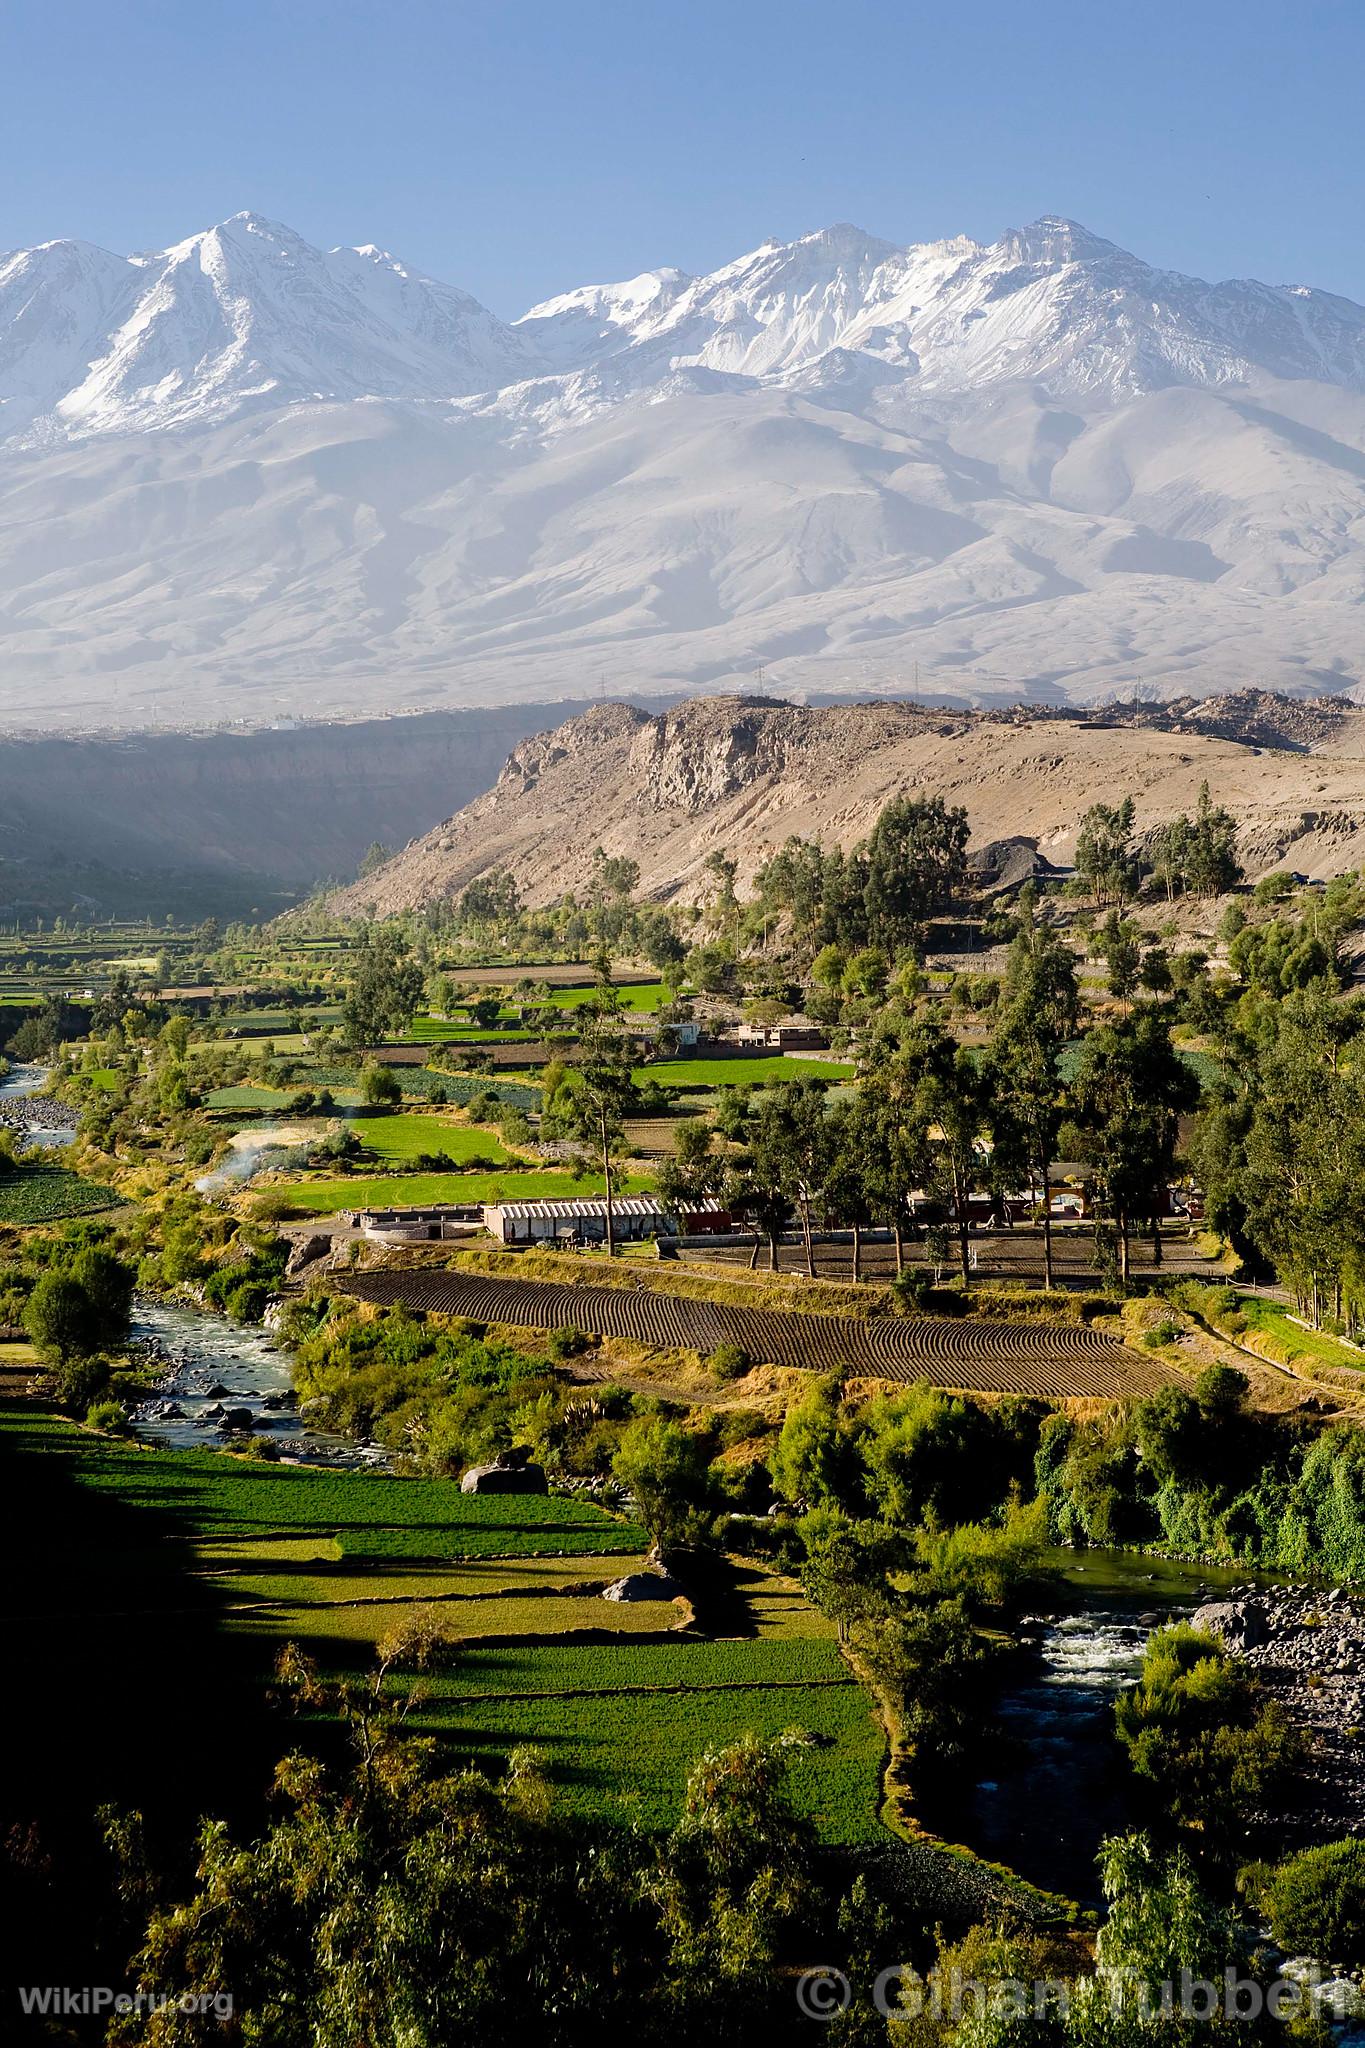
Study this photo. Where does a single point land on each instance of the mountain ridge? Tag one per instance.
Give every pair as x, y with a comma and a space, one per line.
741, 774
259, 301
244, 477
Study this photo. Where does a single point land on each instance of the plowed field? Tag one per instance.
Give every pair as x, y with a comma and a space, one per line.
1049, 1360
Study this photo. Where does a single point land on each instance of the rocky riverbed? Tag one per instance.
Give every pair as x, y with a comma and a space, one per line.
38, 1114
1308, 1650
218, 1386
36, 1118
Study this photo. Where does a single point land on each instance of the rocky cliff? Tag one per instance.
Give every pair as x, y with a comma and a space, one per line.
744, 773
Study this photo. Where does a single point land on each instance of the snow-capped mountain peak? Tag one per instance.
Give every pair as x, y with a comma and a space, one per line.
247, 314
243, 314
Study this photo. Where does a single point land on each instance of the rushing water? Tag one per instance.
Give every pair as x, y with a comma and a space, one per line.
22, 1081
1058, 1783
212, 1369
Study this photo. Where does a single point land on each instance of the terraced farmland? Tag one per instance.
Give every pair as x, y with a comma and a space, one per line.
1048, 1360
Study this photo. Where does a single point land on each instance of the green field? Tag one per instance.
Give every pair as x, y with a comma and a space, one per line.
1275, 1321
313, 1571
423, 1190
202, 1495
643, 997
723, 1072
440, 1031
246, 1097
235, 1556
404, 1137
45, 1194
617, 1749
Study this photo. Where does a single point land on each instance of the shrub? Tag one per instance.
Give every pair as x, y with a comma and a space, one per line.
728, 1362
568, 1343
80, 1382
380, 1086
1315, 1902
60, 1317
247, 1303
110, 1417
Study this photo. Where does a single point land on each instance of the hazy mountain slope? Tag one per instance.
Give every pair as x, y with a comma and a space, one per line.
741, 774
181, 820
244, 476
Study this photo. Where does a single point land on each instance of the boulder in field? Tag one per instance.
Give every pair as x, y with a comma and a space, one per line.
527, 1478
643, 1586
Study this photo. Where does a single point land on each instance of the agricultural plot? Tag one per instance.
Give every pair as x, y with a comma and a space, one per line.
643, 998
422, 1190
247, 1096
367, 1622
458, 1089
1045, 1360
201, 1495
724, 1071
620, 1713
441, 1031
621, 1724
316, 1572
406, 1137
46, 1194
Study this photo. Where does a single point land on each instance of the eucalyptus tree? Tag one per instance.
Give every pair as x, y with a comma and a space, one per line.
600, 1093
1036, 1019
1130, 1089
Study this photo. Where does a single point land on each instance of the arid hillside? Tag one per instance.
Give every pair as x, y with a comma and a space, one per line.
744, 773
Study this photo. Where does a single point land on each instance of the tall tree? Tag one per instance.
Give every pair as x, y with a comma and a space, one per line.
1130, 1089
600, 1095
1037, 1017
1104, 856
384, 991
790, 1144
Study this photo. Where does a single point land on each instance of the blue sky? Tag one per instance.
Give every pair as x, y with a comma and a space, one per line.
518, 149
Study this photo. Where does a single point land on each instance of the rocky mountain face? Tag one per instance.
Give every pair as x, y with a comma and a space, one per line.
743, 774
244, 472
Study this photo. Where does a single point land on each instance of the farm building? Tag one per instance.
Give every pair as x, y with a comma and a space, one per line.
796, 1035
585, 1218
403, 1226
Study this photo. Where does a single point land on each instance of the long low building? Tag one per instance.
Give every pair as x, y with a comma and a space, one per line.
404, 1226
584, 1219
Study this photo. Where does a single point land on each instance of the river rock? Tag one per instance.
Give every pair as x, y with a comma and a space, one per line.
236, 1418
1240, 1624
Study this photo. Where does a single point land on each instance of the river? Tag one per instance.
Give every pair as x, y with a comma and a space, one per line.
1058, 1782
47, 1124
214, 1367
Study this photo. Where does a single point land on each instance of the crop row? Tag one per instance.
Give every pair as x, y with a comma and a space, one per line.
1052, 1360
38, 1194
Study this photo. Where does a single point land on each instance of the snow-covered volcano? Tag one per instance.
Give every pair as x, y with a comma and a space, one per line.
245, 475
